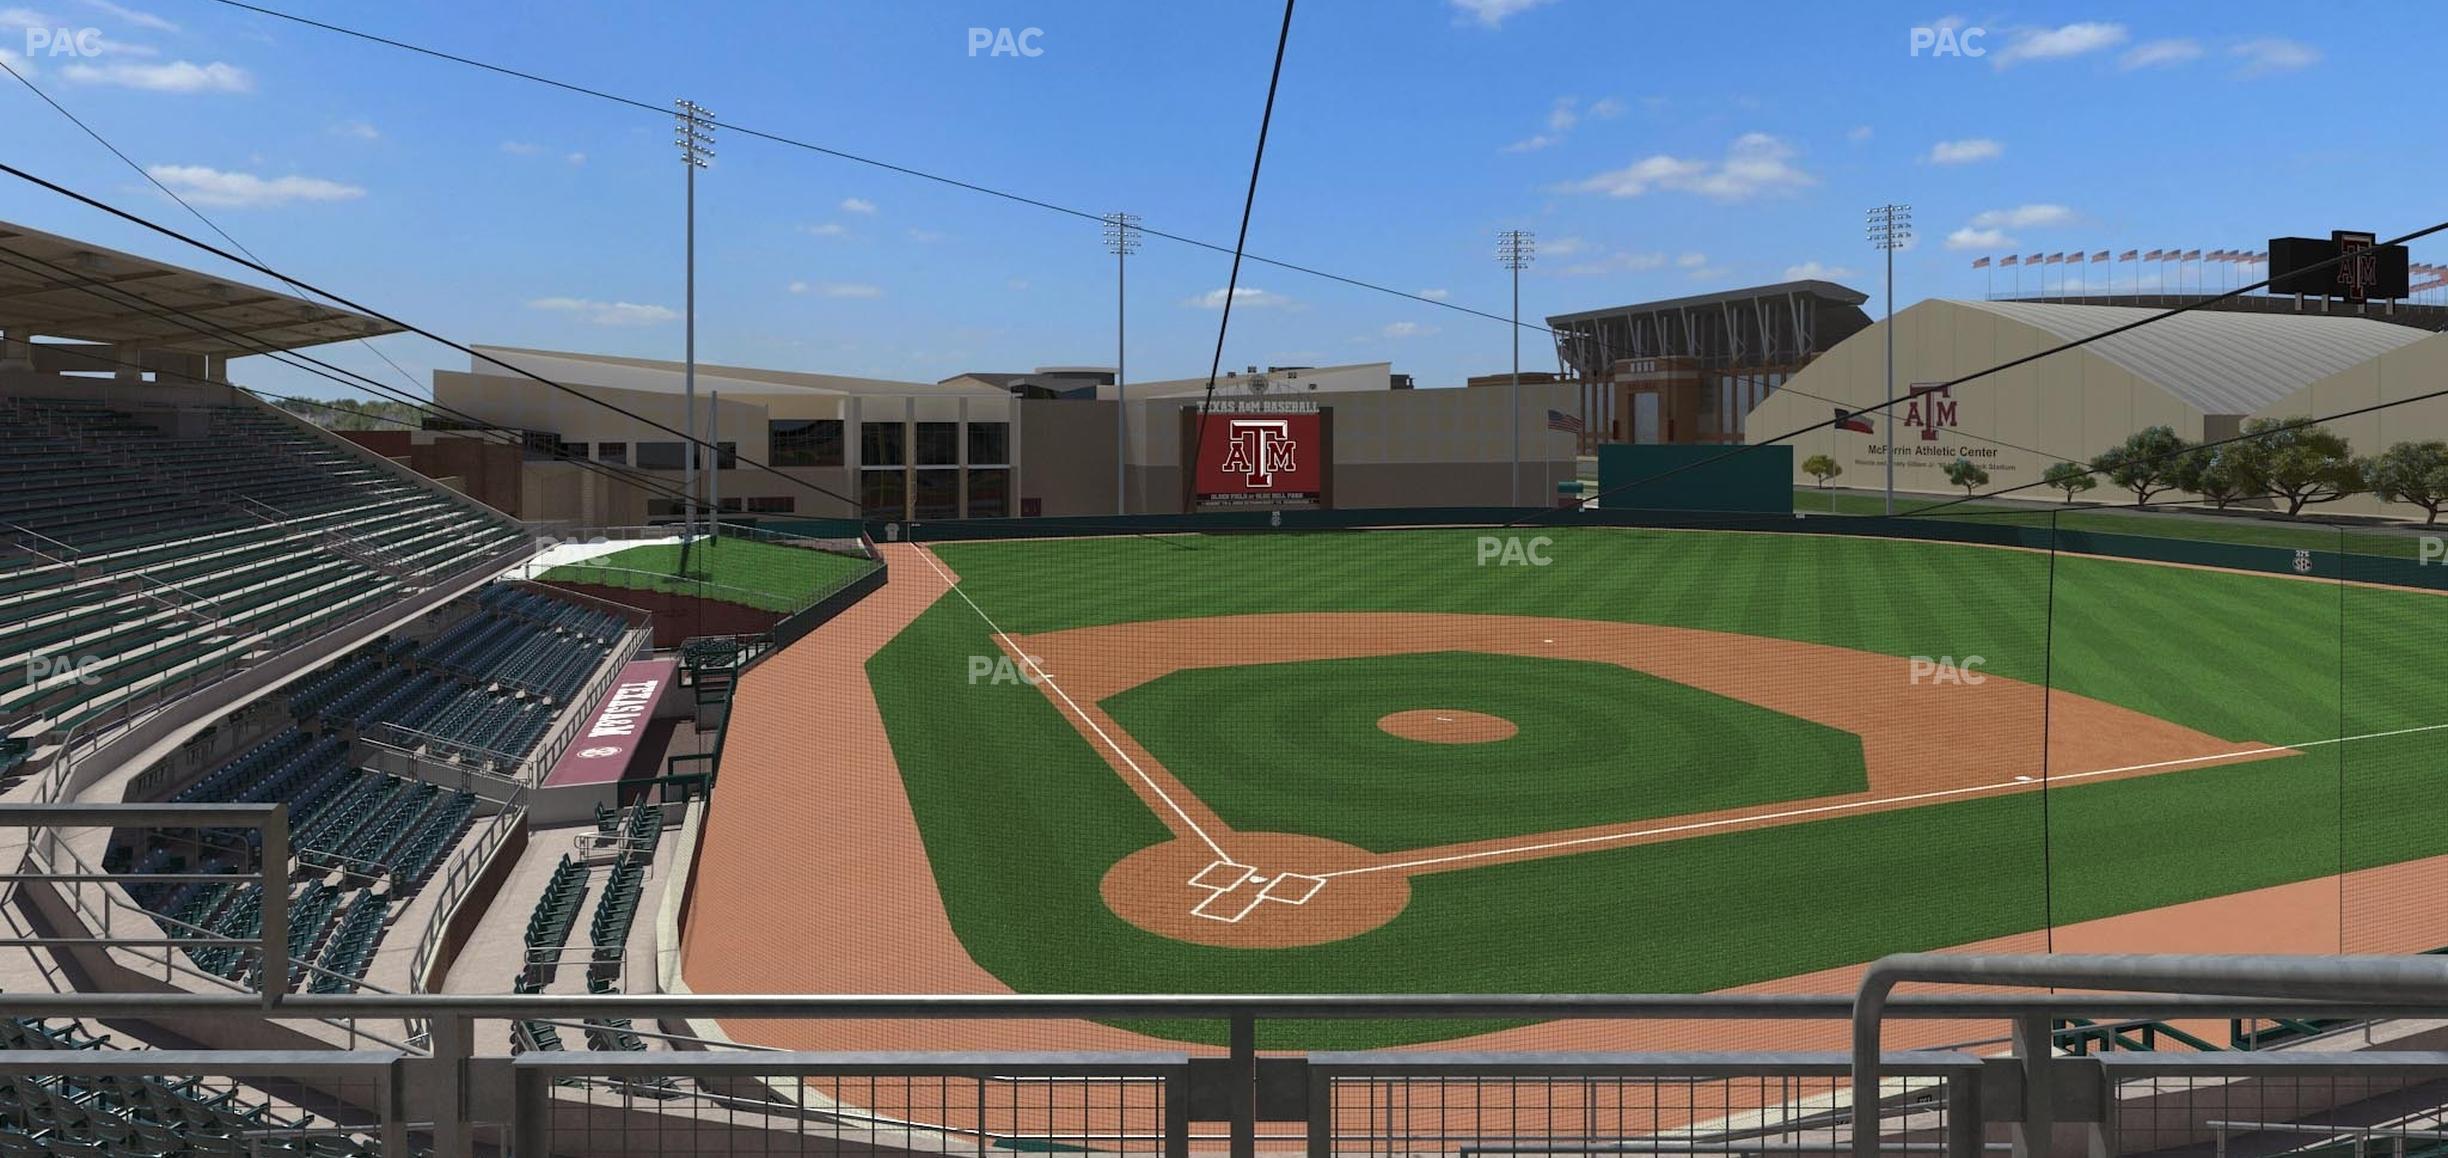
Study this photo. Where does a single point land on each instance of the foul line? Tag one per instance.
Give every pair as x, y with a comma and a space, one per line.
1076, 710
1850, 805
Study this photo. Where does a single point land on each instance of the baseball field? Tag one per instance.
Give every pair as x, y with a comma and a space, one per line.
1661, 761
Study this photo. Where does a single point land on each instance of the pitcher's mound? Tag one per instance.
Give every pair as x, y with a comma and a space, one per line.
1270, 892
1447, 726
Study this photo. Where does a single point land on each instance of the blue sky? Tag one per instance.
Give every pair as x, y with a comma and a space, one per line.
1656, 149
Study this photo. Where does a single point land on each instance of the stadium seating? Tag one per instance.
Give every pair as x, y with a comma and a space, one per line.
143, 1115
132, 558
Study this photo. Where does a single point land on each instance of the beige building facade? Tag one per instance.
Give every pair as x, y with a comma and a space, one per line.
2203, 373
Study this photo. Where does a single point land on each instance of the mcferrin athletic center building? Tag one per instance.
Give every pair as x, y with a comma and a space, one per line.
1050, 443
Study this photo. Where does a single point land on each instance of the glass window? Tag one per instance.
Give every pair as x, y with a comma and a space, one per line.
805, 441
880, 444
989, 493
939, 444
776, 504
616, 453
542, 445
989, 443
662, 508
726, 455
938, 494
880, 493
660, 456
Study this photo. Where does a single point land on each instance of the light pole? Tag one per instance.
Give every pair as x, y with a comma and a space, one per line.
1122, 240
1514, 249
1890, 228
694, 134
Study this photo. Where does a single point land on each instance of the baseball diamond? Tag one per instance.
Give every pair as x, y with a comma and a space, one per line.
1723, 759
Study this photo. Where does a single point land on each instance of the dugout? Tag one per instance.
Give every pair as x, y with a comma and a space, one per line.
1696, 477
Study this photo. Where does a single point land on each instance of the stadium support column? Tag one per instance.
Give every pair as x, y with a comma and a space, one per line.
1122, 239
1514, 249
695, 139
1890, 228
714, 472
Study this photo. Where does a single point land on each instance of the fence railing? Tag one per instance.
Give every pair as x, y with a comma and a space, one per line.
1239, 1101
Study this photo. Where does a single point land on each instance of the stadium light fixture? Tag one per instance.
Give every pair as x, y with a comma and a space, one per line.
1515, 248
694, 135
1121, 240
1890, 230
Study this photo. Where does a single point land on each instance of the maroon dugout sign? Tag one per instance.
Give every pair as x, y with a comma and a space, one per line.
1259, 453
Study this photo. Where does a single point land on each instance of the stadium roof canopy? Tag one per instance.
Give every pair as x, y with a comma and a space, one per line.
657, 376
1811, 287
2215, 361
60, 287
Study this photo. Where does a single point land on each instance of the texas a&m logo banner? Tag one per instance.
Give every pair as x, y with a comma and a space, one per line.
1255, 453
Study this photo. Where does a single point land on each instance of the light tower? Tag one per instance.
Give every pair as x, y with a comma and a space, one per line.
694, 134
1122, 240
1514, 249
1890, 228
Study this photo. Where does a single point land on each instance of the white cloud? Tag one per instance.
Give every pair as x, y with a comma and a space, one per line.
1561, 117
1436, 295
927, 236
521, 148
178, 76
1606, 108
132, 16
1016, 284
1965, 151
1493, 13
595, 313
2161, 53
1859, 133
2023, 217
361, 130
1246, 297
1407, 330
2059, 43
2271, 54
1691, 260
837, 289
857, 205
827, 229
1970, 238
1615, 263
1561, 246
1531, 144
575, 158
208, 186
1754, 164
1813, 271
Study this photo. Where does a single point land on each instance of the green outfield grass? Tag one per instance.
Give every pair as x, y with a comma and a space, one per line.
1021, 818
2393, 544
1295, 747
766, 576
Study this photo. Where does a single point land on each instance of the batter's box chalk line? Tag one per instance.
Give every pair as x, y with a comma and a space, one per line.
1223, 879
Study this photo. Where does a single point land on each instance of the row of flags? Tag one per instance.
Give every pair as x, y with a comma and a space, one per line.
2238, 256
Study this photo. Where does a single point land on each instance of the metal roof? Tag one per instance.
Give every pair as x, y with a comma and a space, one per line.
2217, 362
60, 287
1842, 295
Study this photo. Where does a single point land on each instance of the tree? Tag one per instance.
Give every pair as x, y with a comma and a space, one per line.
2411, 472
2145, 463
2217, 475
1821, 467
2297, 459
1962, 473
2071, 477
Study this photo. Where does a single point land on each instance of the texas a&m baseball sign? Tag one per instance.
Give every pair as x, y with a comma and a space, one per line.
1259, 453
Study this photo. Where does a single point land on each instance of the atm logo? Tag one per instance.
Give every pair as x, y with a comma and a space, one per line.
1931, 407
1258, 449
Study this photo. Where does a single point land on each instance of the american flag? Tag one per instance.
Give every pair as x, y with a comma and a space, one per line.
2130, 255
1568, 423
2010, 259
1980, 263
